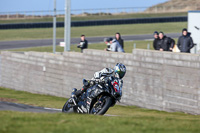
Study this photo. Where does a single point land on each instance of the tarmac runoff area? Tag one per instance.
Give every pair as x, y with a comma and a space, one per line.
5, 106
6, 45
26, 108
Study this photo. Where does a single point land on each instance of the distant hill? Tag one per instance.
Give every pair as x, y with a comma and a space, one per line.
175, 6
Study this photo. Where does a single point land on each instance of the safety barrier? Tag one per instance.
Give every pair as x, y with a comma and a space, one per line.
155, 80
95, 22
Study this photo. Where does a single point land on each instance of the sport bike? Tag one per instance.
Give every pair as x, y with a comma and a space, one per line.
97, 99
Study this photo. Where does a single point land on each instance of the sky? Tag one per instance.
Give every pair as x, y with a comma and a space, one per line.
38, 5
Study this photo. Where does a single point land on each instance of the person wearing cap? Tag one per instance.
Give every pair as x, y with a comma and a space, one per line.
114, 45
155, 42
185, 42
83, 43
165, 43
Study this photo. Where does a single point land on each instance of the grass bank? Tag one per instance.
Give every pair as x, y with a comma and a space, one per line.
92, 31
129, 119
30, 98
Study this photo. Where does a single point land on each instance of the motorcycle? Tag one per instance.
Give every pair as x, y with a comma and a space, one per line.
96, 100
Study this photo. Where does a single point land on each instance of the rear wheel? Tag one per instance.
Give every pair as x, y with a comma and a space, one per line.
101, 106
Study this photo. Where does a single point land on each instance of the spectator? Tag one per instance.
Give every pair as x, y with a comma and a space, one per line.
83, 43
107, 42
115, 46
185, 42
165, 43
155, 42
119, 39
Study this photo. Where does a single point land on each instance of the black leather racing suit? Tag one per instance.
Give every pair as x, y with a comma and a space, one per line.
106, 74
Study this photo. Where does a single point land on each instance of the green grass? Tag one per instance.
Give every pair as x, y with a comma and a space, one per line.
91, 31
128, 46
156, 122
95, 17
129, 119
32, 99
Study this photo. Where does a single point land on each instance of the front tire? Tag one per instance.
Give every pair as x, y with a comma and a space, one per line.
67, 108
100, 108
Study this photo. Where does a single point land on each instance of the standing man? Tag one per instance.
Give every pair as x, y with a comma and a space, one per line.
83, 43
119, 39
185, 42
155, 42
165, 43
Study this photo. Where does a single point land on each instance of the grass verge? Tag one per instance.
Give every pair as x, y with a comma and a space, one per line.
30, 98
128, 47
92, 31
129, 119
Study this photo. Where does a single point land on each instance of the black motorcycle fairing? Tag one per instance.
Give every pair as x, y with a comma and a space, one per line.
95, 90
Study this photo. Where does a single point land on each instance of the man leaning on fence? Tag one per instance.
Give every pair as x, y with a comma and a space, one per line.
114, 45
165, 43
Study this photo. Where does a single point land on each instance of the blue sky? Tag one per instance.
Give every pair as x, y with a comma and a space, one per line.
34, 5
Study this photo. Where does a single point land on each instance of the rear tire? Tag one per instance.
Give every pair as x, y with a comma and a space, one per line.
106, 105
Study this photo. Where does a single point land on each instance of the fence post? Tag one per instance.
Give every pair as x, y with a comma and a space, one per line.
41, 14
17, 15
172, 8
148, 46
8, 16
134, 45
156, 9
195, 49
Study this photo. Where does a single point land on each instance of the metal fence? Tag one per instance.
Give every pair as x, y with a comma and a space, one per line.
148, 46
100, 11
60, 13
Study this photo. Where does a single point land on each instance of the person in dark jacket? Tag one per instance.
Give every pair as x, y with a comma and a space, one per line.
119, 39
185, 42
155, 42
83, 43
165, 43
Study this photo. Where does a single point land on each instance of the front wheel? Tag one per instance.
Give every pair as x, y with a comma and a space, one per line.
101, 106
67, 108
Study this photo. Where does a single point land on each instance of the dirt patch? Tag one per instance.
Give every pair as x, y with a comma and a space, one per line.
7, 99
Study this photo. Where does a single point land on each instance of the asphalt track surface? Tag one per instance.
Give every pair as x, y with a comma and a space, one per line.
5, 106
6, 45
26, 108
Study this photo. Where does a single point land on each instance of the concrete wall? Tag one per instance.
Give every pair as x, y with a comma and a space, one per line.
155, 80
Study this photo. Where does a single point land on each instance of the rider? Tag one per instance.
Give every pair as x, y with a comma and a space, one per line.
107, 74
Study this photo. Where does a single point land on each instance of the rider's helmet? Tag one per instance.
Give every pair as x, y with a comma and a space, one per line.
120, 70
